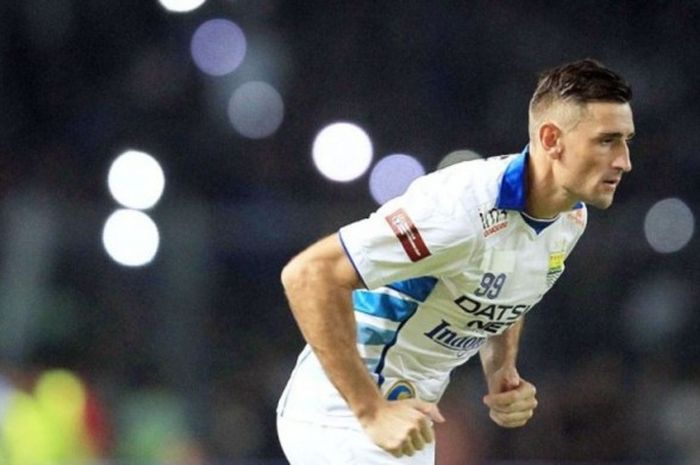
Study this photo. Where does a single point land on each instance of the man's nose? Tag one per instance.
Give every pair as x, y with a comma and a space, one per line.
623, 161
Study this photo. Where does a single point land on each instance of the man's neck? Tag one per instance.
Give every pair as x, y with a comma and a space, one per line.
545, 199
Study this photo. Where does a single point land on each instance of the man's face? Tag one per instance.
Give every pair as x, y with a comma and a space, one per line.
596, 153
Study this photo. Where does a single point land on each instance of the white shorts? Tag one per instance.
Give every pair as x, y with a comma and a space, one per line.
313, 444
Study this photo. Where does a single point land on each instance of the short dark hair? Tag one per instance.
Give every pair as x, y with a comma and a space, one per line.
581, 81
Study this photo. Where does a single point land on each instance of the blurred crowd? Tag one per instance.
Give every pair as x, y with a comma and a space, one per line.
182, 361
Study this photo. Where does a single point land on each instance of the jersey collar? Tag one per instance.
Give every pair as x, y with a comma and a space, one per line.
512, 195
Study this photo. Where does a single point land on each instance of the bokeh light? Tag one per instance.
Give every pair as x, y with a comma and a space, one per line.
391, 176
181, 6
256, 110
458, 156
342, 151
130, 237
669, 225
218, 47
136, 180
658, 309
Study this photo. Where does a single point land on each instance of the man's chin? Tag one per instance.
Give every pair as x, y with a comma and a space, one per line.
601, 203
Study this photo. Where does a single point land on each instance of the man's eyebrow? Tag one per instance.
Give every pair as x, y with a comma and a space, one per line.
616, 135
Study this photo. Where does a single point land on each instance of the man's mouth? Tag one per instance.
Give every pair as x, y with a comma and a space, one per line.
612, 182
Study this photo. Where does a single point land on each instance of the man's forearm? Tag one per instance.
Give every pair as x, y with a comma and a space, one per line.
324, 314
502, 350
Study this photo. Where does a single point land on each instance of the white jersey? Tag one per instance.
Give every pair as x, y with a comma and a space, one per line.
448, 264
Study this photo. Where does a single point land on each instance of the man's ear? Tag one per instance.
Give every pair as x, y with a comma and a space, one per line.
550, 140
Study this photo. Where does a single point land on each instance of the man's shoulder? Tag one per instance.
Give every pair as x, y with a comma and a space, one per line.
473, 182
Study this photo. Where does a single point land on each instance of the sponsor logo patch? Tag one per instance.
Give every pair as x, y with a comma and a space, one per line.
449, 337
493, 220
407, 233
401, 390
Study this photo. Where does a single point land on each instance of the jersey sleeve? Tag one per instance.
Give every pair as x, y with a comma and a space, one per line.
424, 232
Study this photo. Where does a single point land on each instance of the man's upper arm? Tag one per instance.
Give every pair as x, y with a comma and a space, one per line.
328, 255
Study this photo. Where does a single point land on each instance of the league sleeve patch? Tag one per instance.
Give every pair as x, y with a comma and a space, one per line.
407, 233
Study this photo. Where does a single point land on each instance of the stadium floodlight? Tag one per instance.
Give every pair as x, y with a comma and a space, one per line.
218, 47
669, 225
256, 110
136, 180
391, 175
458, 156
181, 6
130, 237
342, 151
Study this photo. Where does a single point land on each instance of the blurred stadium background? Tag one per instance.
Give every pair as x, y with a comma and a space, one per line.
161, 160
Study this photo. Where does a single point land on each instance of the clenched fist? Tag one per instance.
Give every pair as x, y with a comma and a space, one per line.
511, 400
402, 427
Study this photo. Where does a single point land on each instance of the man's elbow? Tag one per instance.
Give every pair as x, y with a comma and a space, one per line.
289, 274
299, 272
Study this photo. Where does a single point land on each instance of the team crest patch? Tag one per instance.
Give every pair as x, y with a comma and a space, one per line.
401, 390
556, 267
408, 234
493, 220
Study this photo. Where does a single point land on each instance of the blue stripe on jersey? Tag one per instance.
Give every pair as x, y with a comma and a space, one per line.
512, 193
373, 336
537, 224
382, 360
392, 308
383, 305
416, 288
371, 363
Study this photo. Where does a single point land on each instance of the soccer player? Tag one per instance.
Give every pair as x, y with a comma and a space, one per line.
391, 304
